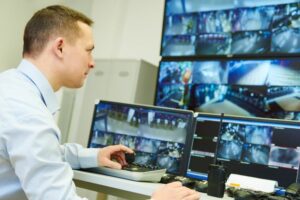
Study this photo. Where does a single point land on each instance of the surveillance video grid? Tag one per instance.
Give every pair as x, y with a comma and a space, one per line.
237, 28
157, 137
260, 149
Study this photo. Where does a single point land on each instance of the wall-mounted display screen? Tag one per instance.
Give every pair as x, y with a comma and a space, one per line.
231, 27
246, 87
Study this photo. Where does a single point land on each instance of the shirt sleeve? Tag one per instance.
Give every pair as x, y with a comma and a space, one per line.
35, 154
79, 157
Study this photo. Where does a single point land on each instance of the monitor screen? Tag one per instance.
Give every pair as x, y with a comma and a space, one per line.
268, 87
237, 27
160, 137
263, 148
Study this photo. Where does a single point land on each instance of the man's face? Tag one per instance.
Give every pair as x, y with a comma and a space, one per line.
78, 58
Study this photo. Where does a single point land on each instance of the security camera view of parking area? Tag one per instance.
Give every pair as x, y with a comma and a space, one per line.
223, 27
157, 136
248, 146
266, 88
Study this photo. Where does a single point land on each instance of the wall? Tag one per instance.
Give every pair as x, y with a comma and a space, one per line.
128, 29
13, 15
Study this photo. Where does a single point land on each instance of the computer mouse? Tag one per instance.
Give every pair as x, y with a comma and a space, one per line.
129, 157
167, 178
201, 186
187, 182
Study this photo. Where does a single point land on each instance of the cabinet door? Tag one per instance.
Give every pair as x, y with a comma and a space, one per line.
96, 87
123, 80
97, 84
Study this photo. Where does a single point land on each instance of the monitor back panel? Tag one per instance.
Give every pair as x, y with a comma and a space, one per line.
160, 137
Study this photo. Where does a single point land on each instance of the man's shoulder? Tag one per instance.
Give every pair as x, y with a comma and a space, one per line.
17, 95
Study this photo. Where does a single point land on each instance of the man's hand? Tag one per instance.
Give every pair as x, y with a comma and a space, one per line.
108, 156
175, 191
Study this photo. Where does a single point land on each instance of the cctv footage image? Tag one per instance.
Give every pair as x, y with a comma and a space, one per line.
250, 19
286, 28
283, 98
215, 21
230, 99
251, 42
213, 44
285, 157
173, 84
178, 45
158, 136
181, 24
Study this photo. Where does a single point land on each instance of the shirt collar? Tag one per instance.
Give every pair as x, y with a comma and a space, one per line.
42, 84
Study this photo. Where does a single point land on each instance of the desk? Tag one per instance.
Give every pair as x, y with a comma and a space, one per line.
121, 187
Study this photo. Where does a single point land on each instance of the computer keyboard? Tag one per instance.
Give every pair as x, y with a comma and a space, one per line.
139, 168
132, 172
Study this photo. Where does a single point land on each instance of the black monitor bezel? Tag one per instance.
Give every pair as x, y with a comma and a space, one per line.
190, 128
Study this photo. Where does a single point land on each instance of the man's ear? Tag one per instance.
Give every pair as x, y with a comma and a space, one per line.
58, 46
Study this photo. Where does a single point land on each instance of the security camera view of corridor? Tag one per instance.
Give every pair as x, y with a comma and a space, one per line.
248, 87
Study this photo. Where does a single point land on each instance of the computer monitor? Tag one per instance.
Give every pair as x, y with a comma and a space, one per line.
258, 147
160, 137
262, 87
237, 27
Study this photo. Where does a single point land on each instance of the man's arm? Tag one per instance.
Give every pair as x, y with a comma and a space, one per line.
79, 157
35, 155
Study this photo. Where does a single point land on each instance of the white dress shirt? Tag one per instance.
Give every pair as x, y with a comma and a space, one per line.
33, 164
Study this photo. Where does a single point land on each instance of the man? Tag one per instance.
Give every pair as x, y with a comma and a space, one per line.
57, 53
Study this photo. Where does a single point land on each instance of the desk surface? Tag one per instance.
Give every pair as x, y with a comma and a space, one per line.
120, 187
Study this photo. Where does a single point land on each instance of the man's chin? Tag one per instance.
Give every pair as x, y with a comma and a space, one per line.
75, 86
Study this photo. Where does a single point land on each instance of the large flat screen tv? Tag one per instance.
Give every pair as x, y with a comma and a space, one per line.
231, 27
268, 87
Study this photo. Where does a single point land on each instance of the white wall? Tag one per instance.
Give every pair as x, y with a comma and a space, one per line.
128, 29
13, 15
